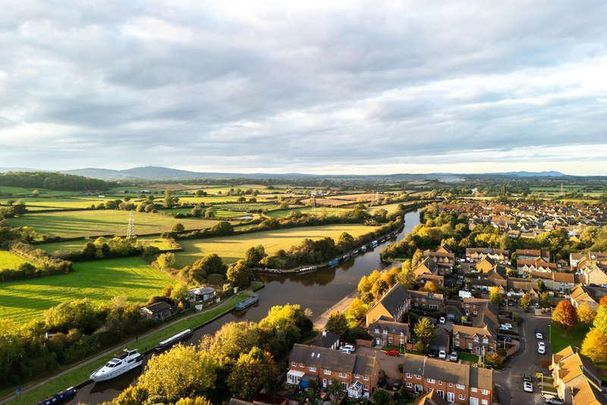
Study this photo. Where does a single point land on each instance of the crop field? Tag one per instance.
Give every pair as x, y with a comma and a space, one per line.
99, 280
9, 260
232, 248
319, 211
102, 222
78, 245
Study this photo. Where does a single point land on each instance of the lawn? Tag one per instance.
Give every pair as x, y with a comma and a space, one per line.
9, 260
99, 280
308, 210
561, 338
232, 248
102, 222
78, 245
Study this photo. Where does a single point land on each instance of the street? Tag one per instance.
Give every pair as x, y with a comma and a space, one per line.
509, 380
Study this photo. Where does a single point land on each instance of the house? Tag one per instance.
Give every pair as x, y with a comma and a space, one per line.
485, 265
431, 398
589, 295
480, 337
580, 260
497, 255
592, 274
157, 311
443, 257
428, 270
392, 306
457, 383
555, 280
389, 333
530, 254
328, 340
201, 294
576, 380
441, 339
427, 301
357, 373
535, 265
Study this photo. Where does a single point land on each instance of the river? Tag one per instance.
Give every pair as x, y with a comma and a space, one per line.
317, 291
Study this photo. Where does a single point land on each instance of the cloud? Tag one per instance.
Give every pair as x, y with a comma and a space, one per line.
317, 86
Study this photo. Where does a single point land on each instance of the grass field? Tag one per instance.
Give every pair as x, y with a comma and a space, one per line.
232, 248
99, 280
26, 192
219, 213
9, 260
59, 202
561, 338
78, 245
101, 222
307, 210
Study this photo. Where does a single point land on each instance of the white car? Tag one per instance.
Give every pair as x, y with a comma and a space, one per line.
454, 356
527, 386
505, 326
442, 320
347, 349
442, 355
539, 336
541, 348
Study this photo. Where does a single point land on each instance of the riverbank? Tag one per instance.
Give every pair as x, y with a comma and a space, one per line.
77, 375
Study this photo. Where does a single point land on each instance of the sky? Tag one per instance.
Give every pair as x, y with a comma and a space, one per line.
305, 86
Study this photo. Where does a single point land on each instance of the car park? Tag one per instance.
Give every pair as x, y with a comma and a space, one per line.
347, 349
442, 355
454, 356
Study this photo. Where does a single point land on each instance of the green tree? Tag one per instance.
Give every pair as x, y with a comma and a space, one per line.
544, 300
335, 391
239, 274
338, 324
525, 302
165, 261
180, 372
252, 372
382, 397
254, 254
232, 339
178, 227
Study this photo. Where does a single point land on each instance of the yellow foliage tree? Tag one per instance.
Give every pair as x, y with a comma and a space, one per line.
594, 346
585, 314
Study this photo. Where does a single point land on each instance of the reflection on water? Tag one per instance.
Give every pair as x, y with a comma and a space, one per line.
317, 291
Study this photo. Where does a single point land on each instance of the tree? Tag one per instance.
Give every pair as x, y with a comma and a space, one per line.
600, 320
338, 324
585, 314
239, 274
494, 295
180, 372
335, 391
252, 371
382, 397
544, 300
357, 311
525, 302
594, 346
201, 268
165, 261
565, 314
232, 339
209, 212
424, 332
430, 286
254, 254
178, 227
193, 401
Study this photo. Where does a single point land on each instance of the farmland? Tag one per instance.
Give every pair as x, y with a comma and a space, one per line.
98, 280
102, 222
232, 248
9, 260
307, 210
78, 245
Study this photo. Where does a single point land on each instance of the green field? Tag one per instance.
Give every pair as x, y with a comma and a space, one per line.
319, 211
102, 222
33, 203
99, 280
78, 245
27, 192
232, 248
219, 213
561, 338
9, 260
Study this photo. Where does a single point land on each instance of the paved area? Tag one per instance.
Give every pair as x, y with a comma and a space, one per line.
341, 306
509, 380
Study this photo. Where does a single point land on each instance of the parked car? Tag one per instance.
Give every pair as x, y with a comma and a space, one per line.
432, 353
504, 338
527, 383
554, 401
539, 335
505, 326
393, 353
442, 320
442, 355
347, 349
454, 356
541, 347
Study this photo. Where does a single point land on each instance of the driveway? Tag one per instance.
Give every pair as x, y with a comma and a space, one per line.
509, 380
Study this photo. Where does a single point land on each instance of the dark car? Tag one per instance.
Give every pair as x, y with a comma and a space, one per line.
503, 338
432, 353
60, 398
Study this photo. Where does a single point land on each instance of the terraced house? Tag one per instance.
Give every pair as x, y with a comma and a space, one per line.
497, 255
357, 373
455, 382
576, 380
479, 337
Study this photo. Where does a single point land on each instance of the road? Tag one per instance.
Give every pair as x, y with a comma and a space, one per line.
509, 380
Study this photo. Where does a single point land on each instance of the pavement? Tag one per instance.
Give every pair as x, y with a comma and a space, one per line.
509, 380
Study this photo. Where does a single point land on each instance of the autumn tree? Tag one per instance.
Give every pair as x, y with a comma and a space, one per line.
239, 274
178, 227
338, 324
180, 372
193, 401
252, 372
600, 320
254, 254
357, 311
585, 314
494, 295
430, 286
232, 339
565, 314
525, 302
594, 346
424, 332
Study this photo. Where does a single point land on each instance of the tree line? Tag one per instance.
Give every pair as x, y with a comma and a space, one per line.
39, 264
53, 181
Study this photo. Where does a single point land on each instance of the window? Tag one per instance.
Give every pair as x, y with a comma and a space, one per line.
377, 330
327, 372
312, 369
460, 386
342, 375
430, 380
408, 375
441, 393
473, 389
462, 396
485, 392
409, 385
293, 364
366, 378
419, 377
450, 384
450, 397
440, 382
484, 402
419, 388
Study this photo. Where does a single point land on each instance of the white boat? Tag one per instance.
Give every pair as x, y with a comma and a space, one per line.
128, 360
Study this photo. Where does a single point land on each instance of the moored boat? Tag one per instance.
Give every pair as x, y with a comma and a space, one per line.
247, 302
181, 336
126, 361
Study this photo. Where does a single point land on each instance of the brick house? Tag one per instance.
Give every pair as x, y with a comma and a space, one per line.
392, 306
389, 333
535, 265
327, 365
576, 380
479, 338
157, 311
428, 270
456, 382
525, 254
555, 280
590, 295
443, 257
497, 255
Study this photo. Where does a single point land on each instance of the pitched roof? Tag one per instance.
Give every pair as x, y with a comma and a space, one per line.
390, 326
323, 357
431, 398
458, 373
394, 298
